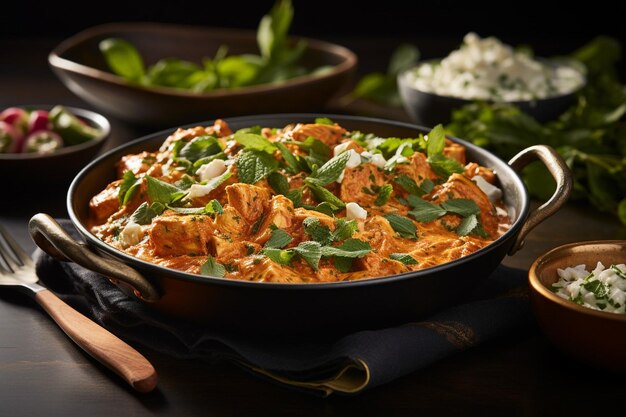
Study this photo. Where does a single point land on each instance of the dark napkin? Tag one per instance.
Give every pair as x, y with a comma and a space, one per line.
350, 364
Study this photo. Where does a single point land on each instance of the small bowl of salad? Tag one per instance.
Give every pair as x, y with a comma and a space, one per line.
578, 295
485, 69
48, 143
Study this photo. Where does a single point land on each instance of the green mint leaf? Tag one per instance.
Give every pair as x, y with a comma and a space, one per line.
279, 183
325, 208
198, 148
280, 256
330, 171
436, 141
427, 186
405, 258
292, 163
123, 58
351, 248
206, 160
162, 192
278, 240
344, 229
128, 187
461, 206
324, 121
383, 195
185, 182
145, 213
404, 57
317, 231
444, 166
253, 141
467, 225
273, 28
311, 252
424, 211
253, 166
409, 185
295, 196
214, 207
212, 268
342, 263
316, 146
324, 195
188, 210
402, 225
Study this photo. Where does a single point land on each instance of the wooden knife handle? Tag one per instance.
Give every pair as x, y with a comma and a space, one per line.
101, 344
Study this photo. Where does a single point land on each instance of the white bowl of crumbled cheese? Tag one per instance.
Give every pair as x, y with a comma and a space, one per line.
485, 69
578, 294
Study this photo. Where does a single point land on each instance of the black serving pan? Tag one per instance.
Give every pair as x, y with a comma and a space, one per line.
300, 309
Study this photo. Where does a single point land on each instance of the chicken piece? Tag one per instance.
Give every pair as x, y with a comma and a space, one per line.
137, 163
375, 265
330, 135
174, 235
231, 225
455, 151
297, 229
472, 169
417, 169
105, 203
268, 271
359, 184
280, 214
249, 200
459, 186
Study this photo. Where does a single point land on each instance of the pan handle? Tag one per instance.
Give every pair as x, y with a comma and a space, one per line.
561, 174
55, 241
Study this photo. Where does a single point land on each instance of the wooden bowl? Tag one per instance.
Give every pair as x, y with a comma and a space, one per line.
595, 337
79, 63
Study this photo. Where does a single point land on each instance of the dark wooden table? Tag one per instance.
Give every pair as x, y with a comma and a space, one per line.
43, 373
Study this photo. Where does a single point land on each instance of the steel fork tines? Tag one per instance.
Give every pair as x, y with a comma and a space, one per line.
12, 255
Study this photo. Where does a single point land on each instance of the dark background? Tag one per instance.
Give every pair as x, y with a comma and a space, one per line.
549, 28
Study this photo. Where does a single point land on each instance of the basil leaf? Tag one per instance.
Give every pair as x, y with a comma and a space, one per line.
405, 258
212, 268
162, 192
279, 183
317, 231
280, 256
403, 225
145, 213
290, 160
324, 195
311, 252
424, 211
383, 195
199, 147
344, 229
461, 206
330, 171
128, 187
253, 141
351, 248
278, 240
436, 141
253, 166
123, 58
467, 225
444, 166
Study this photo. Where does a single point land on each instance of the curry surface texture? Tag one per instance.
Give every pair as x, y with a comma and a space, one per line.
299, 203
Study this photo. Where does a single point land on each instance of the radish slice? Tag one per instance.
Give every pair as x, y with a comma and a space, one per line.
15, 116
38, 120
10, 138
42, 142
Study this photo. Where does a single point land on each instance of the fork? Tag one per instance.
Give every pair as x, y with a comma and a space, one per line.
18, 270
